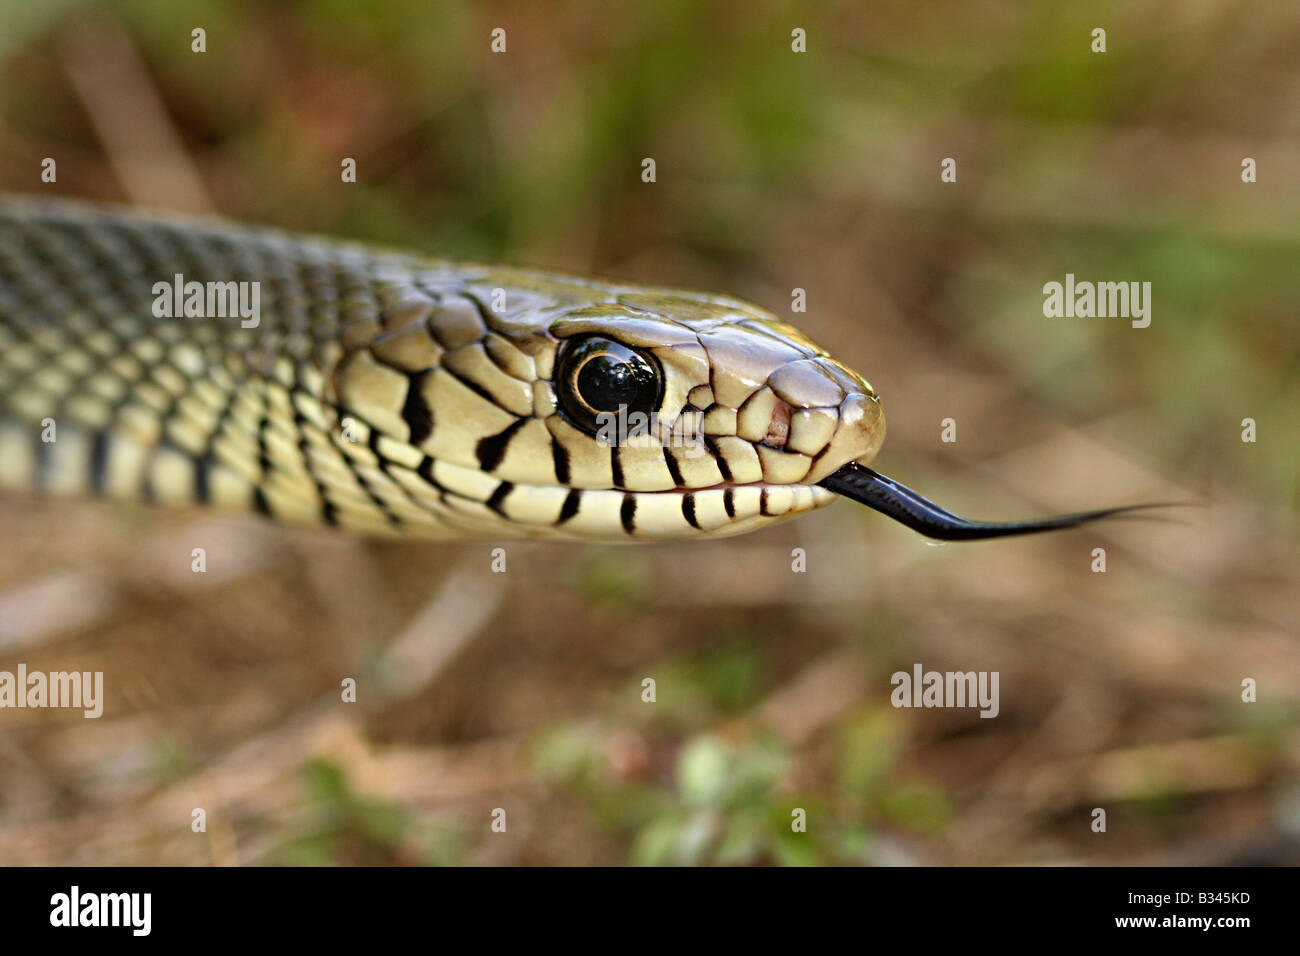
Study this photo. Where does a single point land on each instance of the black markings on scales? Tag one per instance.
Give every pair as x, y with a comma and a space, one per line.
415, 410
688, 510
492, 449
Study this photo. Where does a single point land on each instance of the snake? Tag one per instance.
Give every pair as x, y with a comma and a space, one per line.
181, 361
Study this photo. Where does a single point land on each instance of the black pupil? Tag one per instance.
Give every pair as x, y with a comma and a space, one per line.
608, 382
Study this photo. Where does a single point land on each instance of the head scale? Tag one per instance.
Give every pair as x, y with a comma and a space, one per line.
610, 413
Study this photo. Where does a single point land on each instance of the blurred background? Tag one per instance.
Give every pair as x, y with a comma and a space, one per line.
775, 170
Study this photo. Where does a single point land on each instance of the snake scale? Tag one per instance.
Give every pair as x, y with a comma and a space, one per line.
382, 392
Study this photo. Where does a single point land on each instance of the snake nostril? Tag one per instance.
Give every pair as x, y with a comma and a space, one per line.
778, 429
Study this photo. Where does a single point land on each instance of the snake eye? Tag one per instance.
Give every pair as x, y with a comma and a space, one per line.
597, 376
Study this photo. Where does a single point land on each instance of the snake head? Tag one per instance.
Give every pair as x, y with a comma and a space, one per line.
586, 411
708, 414
592, 412
716, 412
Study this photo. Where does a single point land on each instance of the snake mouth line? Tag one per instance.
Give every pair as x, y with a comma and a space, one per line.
859, 483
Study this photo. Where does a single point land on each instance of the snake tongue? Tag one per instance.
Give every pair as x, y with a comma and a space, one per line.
904, 505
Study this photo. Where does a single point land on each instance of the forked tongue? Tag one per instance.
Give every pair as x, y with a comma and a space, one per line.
904, 505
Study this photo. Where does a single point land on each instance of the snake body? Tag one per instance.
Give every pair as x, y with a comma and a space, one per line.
388, 393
